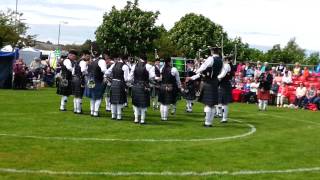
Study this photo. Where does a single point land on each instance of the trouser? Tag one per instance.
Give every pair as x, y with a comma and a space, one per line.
63, 102
94, 106
116, 111
77, 105
141, 112
280, 99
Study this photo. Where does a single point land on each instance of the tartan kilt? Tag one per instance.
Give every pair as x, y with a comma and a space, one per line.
118, 93
190, 92
107, 91
140, 96
77, 87
209, 93
263, 94
168, 94
64, 90
96, 92
225, 93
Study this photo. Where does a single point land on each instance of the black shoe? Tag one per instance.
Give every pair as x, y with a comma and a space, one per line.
144, 123
207, 126
63, 110
108, 110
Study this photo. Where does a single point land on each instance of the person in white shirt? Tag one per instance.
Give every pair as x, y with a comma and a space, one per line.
169, 87
287, 79
155, 84
210, 69
108, 79
118, 96
95, 86
140, 74
225, 88
301, 92
78, 81
64, 85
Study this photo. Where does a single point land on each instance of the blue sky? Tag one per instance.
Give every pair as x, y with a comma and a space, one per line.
261, 23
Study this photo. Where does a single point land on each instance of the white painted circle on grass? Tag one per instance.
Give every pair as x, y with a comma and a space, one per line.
252, 130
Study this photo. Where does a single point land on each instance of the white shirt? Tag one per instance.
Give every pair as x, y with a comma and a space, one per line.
103, 65
175, 73
287, 79
67, 63
83, 66
254, 87
125, 70
225, 69
300, 92
149, 68
207, 63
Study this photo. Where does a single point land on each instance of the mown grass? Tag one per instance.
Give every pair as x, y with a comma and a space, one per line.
285, 139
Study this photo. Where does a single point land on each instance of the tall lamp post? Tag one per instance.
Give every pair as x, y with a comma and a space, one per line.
62, 22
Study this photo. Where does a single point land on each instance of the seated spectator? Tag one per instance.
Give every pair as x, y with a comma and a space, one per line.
317, 99
35, 64
257, 72
281, 68
317, 69
286, 79
301, 92
29, 78
282, 93
48, 77
278, 78
310, 96
297, 70
249, 72
306, 72
265, 67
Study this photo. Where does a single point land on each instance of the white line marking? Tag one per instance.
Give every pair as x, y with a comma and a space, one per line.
164, 173
252, 130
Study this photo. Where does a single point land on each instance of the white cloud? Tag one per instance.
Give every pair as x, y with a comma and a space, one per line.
271, 21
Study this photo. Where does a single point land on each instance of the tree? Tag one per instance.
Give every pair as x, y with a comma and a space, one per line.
313, 59
129, 29
292, 52
11, 30
193, 32
275, 54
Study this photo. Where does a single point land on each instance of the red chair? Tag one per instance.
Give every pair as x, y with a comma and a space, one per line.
236, 95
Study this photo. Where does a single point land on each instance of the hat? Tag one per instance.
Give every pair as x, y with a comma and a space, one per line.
190, 61
74, 52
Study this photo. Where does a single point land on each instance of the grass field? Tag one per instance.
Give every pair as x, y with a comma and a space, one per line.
39, 142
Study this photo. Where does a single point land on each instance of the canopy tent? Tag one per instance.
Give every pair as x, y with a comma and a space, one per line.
6, 63
28, 54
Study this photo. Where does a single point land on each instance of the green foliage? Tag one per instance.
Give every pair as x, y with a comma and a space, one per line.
313, 59
11, 31
129, 28
194, 32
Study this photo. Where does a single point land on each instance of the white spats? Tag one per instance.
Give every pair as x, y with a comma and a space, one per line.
63, 103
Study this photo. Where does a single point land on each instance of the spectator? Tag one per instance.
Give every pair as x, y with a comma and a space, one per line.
19, 75
281, 68
287, 79
257, 72
317, 99
301, 92
278, 78
306, 72
253, 90
297, 69
48, 77
282, 93
29, 78
35, 64
246, 90
310, 96
265, 67
249, 72
274, 92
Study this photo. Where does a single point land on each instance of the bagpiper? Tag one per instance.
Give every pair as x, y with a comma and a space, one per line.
64, 87
209, 71
169, 88
78, 81
118, 95
95, 85
141, 73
